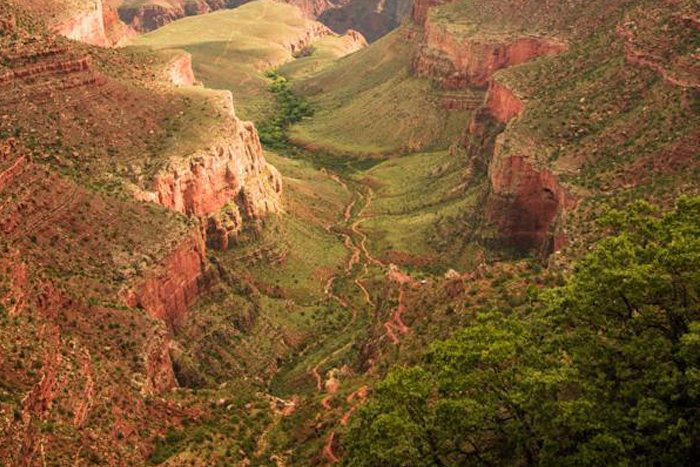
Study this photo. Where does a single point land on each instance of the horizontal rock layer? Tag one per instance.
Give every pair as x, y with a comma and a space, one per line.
455, 63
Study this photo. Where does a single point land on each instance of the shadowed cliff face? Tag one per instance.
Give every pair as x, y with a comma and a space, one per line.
372, 18
524, 204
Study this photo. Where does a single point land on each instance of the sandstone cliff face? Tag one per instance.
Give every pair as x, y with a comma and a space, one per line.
524, 204
502, 103
231, 169
87, 26
525, 200
160, 376
97, 24
456, 63
173, 287
180, 71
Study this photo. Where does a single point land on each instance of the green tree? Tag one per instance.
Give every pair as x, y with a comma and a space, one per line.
603, 371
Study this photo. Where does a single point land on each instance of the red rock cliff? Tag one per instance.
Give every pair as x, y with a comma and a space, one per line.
524, 204
229, 169
456, 62
229, 181
96, 24
502, 103
180, 71
167, 292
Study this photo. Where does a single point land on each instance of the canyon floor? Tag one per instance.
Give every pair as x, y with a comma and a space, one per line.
318, 304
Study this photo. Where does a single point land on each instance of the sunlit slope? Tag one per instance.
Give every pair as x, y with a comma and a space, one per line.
368, 103
322, 53
230, 48
417, 215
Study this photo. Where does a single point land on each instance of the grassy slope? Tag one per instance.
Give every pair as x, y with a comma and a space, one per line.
231, 48
368, 103
418, 199
326, 50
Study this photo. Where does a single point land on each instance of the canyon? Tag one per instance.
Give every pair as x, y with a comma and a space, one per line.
371, 18
174, 292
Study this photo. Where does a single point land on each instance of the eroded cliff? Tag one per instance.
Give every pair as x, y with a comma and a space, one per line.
229, 173
455, 62
94, 22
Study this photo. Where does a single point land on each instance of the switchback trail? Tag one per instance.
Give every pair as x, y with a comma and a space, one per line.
339, 288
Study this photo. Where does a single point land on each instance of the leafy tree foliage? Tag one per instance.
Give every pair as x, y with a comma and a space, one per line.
604, 371
290, 109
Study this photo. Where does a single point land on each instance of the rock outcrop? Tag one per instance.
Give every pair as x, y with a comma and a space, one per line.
171, 288
160, 376
86, 26
180, 71
231, 169
502, 103
96, 24
524, 204
455, 63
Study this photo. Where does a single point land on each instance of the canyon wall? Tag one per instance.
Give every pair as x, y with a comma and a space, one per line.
455, 63
96, 24
231, 169
167, 292
144, 16
372, 18
525, 203
502, 103
525, 199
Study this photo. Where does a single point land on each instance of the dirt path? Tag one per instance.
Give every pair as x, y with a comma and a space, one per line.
280, 408
395, 326
328, 449
360, 396
355, 240
363, 237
